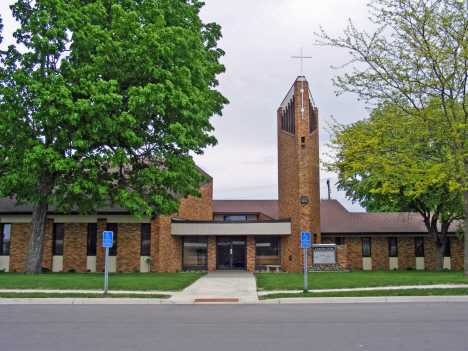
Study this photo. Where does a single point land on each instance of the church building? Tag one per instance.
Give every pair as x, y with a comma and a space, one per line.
209, 235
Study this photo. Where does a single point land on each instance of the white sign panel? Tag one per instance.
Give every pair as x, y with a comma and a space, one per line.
324, 253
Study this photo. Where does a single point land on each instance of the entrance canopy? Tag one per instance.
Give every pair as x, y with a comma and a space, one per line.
281, 227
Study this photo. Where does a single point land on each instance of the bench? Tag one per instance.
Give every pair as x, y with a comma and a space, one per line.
268, 266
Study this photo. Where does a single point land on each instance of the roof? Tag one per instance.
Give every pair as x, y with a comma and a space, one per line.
7, 205
335, 219
267, 207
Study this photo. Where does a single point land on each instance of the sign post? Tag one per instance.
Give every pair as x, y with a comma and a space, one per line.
305, 243
107, 242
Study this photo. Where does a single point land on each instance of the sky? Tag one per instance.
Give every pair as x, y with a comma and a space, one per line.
259, 38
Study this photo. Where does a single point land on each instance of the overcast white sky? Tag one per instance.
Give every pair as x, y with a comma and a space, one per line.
259, 38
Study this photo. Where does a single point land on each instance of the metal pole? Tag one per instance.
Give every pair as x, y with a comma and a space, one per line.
305, 271
106, 272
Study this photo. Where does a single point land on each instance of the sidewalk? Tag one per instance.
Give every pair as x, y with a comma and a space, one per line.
233, 288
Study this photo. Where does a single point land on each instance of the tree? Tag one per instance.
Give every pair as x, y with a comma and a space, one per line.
369, 170
104, 107
417, 61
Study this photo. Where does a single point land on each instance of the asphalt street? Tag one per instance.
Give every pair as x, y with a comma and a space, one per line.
396, 326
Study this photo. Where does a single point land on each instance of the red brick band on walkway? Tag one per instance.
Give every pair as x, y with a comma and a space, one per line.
216, 300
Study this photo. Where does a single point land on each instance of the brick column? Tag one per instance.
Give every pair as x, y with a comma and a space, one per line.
251, 253
154, 266
74, 246
211, 265
100, 251
128, 252
47, 256
19, 245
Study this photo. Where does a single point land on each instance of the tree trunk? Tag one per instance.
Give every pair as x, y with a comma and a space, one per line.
440, 250
33, 264
465, 209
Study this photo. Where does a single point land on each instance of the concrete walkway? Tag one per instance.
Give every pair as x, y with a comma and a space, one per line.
220, 287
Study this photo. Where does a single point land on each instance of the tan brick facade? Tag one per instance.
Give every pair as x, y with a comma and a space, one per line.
298, 176
74, 246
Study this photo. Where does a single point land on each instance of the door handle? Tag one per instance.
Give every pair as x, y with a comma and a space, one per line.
231, 251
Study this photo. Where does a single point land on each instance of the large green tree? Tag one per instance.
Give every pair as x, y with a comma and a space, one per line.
101, 103
367, 159
417, 61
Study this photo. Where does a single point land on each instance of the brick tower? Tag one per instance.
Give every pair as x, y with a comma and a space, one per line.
298, 172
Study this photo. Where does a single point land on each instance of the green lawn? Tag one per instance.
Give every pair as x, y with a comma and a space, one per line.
95, 281
77, 295
356, 279
409, 292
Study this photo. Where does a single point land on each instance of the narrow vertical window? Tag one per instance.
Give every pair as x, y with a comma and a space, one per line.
92, 239
57, 240
5, 239
112, 227
392, 247
315, 238
366, 247
312, 119
145, 239
419, 246
447, 248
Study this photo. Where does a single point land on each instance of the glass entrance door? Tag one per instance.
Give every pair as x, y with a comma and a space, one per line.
231, 252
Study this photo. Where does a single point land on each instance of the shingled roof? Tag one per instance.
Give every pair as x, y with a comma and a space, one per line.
335, 219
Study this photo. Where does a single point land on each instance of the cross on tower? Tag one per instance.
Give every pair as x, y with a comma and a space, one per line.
302, 82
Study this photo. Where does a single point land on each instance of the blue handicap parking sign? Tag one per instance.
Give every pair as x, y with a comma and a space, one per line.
107, 239
305, 239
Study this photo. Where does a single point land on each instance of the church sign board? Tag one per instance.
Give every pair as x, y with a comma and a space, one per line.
324, 253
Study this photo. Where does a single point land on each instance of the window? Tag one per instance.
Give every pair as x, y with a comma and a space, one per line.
366, 247
288, 118
195, 252
447, 248
315, 238
267, 250
112, 227
145, 239
419, 247
92, 239
57, 241
312, 119
5, 239
392, 247
235, 218
339, 241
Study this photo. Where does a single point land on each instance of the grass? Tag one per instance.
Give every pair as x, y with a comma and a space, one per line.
95, 281
78, 295
356, 279
409, 292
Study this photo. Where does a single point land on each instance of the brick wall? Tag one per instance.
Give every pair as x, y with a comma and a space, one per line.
19, 245
47, 256
128, 249
406, 257
74, 246
298, 175
456, 250
192, 208
354, 247
379, 253
342, 255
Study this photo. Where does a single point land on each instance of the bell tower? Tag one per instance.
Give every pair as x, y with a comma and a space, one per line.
298, 172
